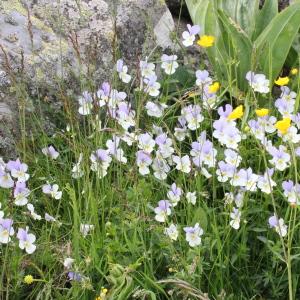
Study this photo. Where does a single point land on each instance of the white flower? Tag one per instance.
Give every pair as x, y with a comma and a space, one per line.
52, 190
68, 262
193, 235
122, 71
258, 82
85, 229
182, 163
34, 215
147, 69
77, 171
85, 103
235, 218
169, 63
172, 232
191, 197
265, 183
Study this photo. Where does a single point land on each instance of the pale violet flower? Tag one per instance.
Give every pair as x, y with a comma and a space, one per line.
172, 232
191, 197
291, 192
147, 69
26, 240
51, 152
193, 235
146, 142
258, 82
152, 86
162, 211
155, 109
52, 190
6, 230
103, 94
18, 170
174, 194
143, 161
21, 192
190, 35
100, 162
122, 71
169, 63
193, 116
160, 167
278, 225
203, 78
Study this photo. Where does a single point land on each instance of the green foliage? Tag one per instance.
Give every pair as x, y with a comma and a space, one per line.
247, 38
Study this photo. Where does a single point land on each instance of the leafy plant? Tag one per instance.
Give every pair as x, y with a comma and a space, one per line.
247, 38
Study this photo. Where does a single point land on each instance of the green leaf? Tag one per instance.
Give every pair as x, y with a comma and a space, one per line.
274, 43
242, 47
265, 16
243, 12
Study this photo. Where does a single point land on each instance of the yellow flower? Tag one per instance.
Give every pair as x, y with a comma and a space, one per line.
213, 88
282, 81
28, 279
294, 71
262, 112
283, 125
237, 113
206, 41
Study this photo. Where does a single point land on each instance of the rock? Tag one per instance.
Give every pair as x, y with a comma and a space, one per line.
45, 44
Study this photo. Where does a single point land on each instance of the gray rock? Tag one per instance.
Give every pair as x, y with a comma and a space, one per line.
49, 43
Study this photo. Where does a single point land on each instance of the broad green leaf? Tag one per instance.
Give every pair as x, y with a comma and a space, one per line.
242, 47
243, 12
265, 16
274, 43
